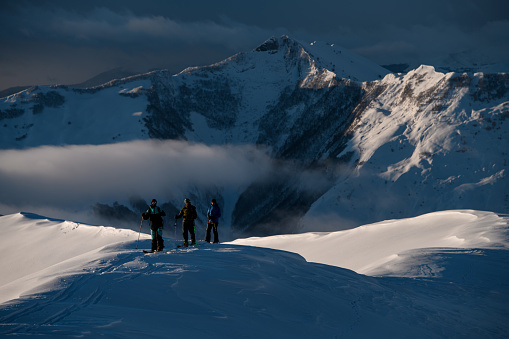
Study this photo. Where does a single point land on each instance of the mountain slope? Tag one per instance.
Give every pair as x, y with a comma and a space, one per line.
426, 141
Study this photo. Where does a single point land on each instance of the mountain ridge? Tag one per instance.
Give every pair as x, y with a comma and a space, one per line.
282, 97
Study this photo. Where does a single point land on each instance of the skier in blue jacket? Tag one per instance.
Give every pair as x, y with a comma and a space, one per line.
213, 214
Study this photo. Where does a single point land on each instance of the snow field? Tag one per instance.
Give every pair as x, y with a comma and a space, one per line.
448, 279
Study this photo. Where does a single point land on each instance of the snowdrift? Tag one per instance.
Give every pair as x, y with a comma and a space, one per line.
384, 248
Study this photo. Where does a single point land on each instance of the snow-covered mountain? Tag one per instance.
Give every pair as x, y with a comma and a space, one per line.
441, 275
239, 95
347, 139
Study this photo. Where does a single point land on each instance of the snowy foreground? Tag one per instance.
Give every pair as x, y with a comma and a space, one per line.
440, 275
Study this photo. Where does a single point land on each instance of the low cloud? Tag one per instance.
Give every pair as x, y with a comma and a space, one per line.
76, 175
78, 182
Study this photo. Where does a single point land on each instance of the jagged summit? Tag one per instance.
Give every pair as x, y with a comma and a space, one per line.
321, 59
325, 56
274, 44
315, 64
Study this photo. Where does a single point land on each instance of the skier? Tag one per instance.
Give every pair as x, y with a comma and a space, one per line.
189, 214
155, 214
213, 215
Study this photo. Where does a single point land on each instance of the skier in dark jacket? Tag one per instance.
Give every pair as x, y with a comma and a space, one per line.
188, 212
155, 214
213, 214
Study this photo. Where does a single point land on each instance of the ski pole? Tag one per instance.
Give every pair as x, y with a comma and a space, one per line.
139, 233
175, 232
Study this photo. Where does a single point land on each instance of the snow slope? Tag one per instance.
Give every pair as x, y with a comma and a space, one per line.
55, 116
35, 250
97, 284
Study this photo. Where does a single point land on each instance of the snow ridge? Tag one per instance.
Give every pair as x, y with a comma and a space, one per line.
104, 287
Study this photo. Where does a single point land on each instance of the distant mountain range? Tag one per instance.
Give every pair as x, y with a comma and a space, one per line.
102, 78
393, 145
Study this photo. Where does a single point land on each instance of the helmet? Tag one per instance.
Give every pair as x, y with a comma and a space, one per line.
153, 201
187, 200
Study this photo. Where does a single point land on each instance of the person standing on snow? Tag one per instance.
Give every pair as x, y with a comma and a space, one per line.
155, 214
188, 212
213, 214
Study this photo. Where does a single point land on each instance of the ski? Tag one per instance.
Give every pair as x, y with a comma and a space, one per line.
180, 244
184, 246
197, 244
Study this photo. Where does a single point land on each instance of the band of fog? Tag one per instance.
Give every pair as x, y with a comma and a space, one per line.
77, 174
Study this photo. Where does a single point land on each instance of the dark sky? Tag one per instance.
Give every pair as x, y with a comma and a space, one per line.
67, 42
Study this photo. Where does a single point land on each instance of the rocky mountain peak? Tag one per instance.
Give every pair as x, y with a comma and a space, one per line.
274, 44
